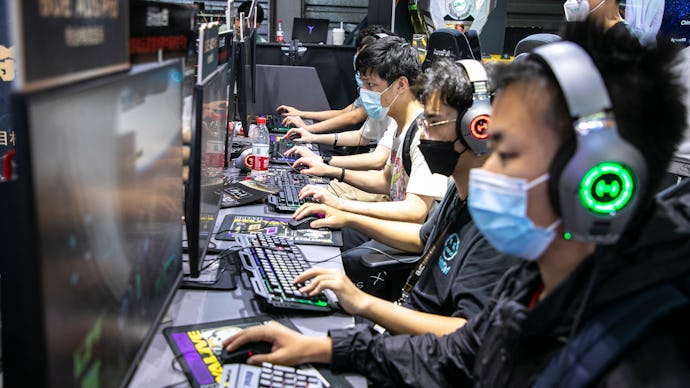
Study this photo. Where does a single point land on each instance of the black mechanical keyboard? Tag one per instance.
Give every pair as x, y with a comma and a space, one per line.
274, 262
274, 123
291, 182
267, 375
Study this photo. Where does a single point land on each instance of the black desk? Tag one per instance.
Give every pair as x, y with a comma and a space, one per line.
191, 306
332, 63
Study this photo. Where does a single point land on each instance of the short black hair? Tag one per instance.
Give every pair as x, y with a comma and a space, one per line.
370, 34
646, 93
245, 6
449, 80
390, 58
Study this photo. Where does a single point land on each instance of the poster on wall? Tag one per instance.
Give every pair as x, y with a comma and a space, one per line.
7, 75
57, 42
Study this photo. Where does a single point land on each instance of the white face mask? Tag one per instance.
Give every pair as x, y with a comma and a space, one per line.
577, 10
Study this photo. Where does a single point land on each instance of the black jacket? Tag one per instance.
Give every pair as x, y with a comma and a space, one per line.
508, 345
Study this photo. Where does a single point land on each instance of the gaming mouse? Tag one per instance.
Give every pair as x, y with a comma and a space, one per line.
241, 354
302, 223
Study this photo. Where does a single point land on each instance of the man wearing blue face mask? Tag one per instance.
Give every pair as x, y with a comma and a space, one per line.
605, 301
387, 67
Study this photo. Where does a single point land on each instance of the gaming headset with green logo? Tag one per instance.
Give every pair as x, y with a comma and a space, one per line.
473, 128
597, 179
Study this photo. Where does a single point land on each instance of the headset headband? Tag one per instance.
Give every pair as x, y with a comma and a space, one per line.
478, 77
567, 61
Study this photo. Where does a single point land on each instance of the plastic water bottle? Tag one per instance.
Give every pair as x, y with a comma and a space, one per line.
215, 145
280, 35
260, 151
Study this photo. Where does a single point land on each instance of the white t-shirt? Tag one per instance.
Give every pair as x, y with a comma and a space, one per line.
420, 181
382, 131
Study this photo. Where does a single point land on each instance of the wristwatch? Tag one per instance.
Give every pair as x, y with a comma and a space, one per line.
327, 159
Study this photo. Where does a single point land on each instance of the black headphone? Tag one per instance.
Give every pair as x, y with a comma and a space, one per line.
473, 128
597, 179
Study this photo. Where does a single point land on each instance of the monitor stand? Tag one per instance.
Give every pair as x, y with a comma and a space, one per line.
218, 276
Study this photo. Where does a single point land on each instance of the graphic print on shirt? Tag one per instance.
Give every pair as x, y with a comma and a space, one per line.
399, 178
449, 252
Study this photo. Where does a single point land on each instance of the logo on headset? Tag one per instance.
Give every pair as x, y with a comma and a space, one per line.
479, 127
607, 188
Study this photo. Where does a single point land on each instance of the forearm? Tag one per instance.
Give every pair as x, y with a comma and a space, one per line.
412, 209
365, 161
401, 320
345, 120
320, 115
399, 235
372, 181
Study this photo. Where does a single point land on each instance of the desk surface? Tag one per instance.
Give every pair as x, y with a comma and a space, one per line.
192, 306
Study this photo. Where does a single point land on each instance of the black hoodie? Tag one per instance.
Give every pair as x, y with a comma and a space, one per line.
509, 345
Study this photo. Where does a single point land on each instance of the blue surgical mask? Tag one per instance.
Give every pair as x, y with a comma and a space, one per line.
371, 101
498, 205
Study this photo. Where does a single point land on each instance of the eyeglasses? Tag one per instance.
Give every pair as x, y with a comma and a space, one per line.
424, 124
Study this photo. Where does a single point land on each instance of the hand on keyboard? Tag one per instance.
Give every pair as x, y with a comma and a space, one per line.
300, 135
294, 121
319, 195
350, 298
289, 347
286, 110
300, 151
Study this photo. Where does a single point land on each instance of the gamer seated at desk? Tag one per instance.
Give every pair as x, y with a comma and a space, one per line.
627, 274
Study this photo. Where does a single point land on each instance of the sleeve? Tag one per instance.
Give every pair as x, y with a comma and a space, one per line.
428, 226
481, 270
421, 180
403, 360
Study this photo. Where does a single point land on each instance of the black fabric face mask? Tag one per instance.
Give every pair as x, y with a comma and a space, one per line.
441, 156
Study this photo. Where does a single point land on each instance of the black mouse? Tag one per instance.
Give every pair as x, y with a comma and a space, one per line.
302, 223
241, 354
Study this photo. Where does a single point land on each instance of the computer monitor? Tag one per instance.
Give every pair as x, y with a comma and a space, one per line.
206, 163
92, 227
309, 30
246, 80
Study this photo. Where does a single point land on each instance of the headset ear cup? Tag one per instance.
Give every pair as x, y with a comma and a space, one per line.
560, 161
475, 127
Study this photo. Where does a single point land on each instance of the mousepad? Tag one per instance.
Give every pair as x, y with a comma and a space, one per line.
198, 347
241, 224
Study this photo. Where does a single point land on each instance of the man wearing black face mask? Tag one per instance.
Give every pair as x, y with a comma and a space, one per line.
462, 267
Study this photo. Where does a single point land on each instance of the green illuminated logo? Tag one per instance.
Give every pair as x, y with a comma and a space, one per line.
607, 188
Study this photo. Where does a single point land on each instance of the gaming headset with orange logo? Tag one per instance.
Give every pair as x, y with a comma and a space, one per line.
473, 128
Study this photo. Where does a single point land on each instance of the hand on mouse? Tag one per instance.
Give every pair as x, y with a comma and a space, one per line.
351, 299
320, 195
301, 135
329, 217
286, 110
289, 347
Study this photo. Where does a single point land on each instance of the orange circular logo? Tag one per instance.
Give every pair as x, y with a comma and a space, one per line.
479, 127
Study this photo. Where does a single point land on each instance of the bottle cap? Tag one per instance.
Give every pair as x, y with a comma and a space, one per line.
280, 20
261, 120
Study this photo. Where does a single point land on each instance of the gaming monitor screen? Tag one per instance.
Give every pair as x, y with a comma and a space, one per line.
204, 190
107, 163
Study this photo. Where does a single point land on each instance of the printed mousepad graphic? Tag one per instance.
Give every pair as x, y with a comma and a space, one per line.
237, 194
278, 226
197, 347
